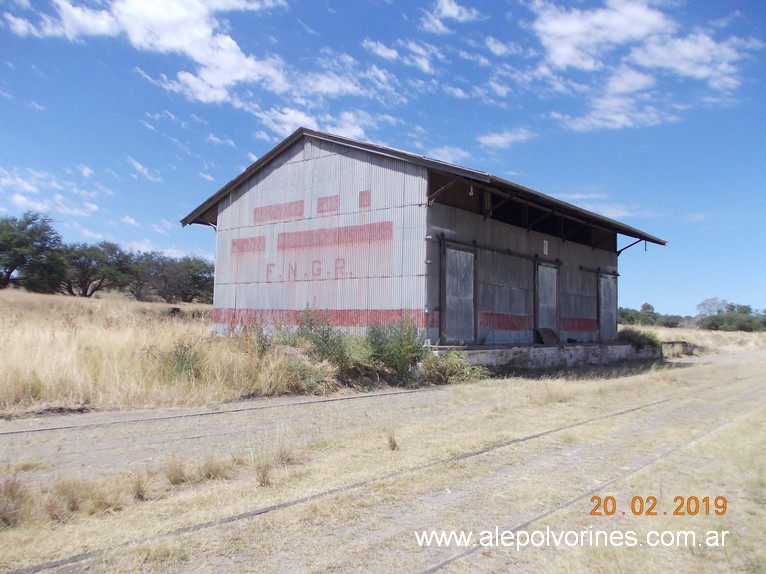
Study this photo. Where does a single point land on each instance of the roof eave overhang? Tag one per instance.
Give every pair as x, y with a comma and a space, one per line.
207, 212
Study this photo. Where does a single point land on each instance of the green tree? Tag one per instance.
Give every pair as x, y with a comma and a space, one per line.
145, 270
29, 248
194, 276
91, 268
647, 315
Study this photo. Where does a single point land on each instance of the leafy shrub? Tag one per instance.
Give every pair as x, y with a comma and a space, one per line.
450, 367
325, 342
397, 347
639, 339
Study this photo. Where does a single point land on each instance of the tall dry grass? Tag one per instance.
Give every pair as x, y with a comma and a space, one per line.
712, 341
62, 352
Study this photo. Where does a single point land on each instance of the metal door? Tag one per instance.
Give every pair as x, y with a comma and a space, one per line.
458, 320
607, 307
547, 297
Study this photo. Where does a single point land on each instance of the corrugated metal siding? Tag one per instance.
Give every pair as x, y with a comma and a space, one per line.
506, 281
351, 247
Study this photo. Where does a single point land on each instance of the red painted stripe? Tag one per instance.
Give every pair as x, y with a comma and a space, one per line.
278, 212
248, 244
337, 317
578, 324
365, 199
328, 204
505, 322
313, 238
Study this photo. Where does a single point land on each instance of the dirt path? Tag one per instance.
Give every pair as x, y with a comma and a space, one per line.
513, 454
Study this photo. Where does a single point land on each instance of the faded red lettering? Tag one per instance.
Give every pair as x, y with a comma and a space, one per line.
316, 269
327, 236
278, 212
340, 267
248, 244
328, 204
365, 199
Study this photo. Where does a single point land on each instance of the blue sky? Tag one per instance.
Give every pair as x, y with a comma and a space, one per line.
118, 117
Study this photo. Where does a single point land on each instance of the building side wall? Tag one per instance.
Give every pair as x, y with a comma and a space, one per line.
323, 227
506, 268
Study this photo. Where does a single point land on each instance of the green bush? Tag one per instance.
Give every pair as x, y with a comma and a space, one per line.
397, 347
639, 339
450, 367
325, 341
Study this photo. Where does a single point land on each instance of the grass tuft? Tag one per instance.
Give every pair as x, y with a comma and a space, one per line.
14, 501
175, 471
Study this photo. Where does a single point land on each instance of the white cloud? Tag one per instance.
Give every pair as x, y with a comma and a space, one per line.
206, 176
456, 92
162, 227
505, 139
479, 59
85, 170
143, 170
449, 154
626, 80
214, 139
420, 55
380, 49
433, 20
582, 39
616, 111
128, 220
696, 56
613, 210
185, 27
500, 49
286, 120
27, 204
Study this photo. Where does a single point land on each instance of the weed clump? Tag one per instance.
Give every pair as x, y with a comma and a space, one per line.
450, 367
397, 347
14, 498
639, 339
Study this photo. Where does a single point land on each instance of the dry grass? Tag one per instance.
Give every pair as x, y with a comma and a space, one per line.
72, 353
712, 341
370, 528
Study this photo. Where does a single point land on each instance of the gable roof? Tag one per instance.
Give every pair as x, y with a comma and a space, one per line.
207, 212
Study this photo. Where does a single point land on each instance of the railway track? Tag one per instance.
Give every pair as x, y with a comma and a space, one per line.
446, 461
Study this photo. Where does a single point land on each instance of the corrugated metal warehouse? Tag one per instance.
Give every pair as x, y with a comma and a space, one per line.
371, 234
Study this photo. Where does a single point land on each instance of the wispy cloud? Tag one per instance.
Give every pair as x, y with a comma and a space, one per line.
128, 220
214, 139
194, 32
449, 154
143, 170
380, 49
505, 139
434, 20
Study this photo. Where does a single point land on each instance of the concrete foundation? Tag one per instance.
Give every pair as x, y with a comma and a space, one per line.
553, 357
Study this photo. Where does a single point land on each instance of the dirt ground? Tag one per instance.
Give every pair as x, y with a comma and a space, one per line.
363, 473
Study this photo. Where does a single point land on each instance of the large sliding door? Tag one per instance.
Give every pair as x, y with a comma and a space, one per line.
547, 295
607, 307
458, 311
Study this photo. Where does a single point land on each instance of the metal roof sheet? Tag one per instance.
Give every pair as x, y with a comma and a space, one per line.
206, 212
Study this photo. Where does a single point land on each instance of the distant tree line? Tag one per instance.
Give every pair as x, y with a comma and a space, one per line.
33, 256
713, 314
